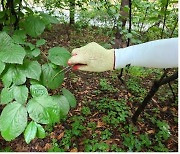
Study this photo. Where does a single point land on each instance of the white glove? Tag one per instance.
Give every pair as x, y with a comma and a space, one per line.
92, 57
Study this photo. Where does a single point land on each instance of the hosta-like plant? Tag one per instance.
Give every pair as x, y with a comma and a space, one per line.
27, 78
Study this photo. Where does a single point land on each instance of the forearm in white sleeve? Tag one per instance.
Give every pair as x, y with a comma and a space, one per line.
155, 54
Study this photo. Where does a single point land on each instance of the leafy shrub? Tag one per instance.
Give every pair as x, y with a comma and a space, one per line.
106, 134
134, 142
71, 133
92, 125
116, 111
27, 78
95, 146
77, 125
55, 147
105, 86
134, 86
86, 111
6, 149
163, 129
66, 140
115, 148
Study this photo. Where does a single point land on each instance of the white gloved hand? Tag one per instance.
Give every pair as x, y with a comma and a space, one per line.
92, 57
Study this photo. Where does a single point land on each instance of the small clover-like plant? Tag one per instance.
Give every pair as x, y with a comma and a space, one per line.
26, 80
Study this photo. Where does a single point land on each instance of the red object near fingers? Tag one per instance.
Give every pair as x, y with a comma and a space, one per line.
76, 67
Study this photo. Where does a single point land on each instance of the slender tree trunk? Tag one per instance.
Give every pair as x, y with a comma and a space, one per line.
144, 20
3, 8
18, 17
10, 6
130, 21
123, 19
164, 21
124, 15
129, 31
72, 11
174, 28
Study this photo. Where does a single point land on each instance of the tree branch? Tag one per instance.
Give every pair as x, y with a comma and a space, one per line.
152, 92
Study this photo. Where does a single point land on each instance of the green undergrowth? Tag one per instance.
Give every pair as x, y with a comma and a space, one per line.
114, 115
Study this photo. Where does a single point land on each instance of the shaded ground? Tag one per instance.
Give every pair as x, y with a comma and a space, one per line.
87, 128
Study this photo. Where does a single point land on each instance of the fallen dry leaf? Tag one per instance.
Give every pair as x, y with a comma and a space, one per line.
98, 132
100, 124
151, 131
74, 150
109, 141
52, 135
60, 136
47, 146
164, 108
95, 114
173, 109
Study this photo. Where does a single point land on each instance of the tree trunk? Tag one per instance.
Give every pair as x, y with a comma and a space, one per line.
124, 15
164, 21
123, 19
72, 11
10, 6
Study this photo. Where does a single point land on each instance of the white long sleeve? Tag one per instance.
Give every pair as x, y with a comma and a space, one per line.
154, 54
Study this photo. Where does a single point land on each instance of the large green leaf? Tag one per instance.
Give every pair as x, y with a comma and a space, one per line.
32, 69
48, 19
33, 82
8, 77
13, 121
38, 90
30, 132
51, 77
7, 95
40, 131
34, 26
59, 56
20, 94
14, 74
19, 76
40, 42
10, 52
13, 54
30, 45
5, 41
33, 53
43, 110
19, 37
36, 52
63, 104
70, 97
2, 67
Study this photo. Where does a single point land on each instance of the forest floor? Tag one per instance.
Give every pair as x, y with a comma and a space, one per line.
102, 119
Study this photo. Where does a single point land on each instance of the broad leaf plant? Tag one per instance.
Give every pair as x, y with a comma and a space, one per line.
27, 75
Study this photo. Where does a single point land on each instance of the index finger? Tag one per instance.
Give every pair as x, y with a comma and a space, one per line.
77, 59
